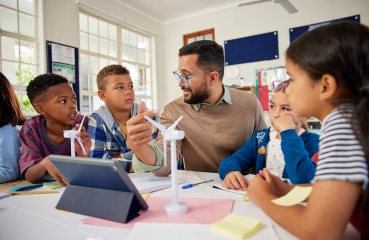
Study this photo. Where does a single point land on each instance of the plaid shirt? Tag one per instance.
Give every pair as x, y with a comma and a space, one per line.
36, 144
107, 140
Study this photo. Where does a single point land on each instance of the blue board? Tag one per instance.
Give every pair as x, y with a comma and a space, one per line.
298, 31
251, 49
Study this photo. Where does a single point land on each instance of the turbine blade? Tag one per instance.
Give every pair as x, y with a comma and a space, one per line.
80, 143
156, 124
165, 153
81, 124
174, 125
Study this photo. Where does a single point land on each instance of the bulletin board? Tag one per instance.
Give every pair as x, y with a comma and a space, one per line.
251, 49
297, 31
63, 60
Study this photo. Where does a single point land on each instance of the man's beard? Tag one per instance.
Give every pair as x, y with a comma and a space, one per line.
199, 96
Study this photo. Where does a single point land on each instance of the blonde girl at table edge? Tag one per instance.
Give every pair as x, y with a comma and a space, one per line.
329, 71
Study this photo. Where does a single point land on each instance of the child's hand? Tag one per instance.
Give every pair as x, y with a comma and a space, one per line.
86, 142
235, 180
53, 171
281, 188
261, 188
283, 123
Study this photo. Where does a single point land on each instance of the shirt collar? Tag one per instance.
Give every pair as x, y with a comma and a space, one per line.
225, 98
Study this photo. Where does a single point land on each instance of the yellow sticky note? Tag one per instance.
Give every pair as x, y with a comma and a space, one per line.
145, 195
237, 226
246, 198
52, 185
295, 196
62, 212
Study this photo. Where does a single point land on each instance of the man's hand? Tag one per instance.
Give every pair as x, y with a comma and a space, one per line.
235, 180
139, 130
86, 142
53, 171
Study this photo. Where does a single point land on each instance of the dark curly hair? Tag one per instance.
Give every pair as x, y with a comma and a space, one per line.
114, 69
40, 84
211, 55
10, 111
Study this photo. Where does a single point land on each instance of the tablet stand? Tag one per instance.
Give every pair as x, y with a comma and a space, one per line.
107, 204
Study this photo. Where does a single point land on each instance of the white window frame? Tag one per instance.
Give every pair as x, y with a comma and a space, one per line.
91, 93
19, 88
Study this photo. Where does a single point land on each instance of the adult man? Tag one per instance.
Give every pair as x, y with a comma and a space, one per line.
216, 120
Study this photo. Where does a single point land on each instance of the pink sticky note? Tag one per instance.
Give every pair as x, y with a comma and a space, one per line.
200, 210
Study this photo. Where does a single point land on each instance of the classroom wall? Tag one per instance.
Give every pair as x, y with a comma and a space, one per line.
60, 24
236, 22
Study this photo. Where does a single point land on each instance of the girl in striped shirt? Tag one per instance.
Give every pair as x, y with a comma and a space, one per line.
329, 71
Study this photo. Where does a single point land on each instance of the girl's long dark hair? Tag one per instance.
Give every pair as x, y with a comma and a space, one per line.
10, 111
341, 50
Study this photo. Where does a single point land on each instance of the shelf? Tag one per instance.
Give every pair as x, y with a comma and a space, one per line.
250, 89
314, 124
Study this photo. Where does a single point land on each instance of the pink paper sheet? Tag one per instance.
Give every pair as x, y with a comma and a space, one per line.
200, 210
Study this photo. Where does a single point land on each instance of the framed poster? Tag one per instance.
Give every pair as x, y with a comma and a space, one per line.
63, 60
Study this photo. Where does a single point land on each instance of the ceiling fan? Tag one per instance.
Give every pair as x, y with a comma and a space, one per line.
284, 3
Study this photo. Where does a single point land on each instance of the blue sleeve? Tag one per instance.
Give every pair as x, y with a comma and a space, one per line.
98, 138
9, 153
241, 160
297, 155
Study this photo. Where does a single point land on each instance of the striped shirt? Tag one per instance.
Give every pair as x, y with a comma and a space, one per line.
36, 144
341, 157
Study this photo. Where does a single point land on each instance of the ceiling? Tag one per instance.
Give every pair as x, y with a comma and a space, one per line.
165, 11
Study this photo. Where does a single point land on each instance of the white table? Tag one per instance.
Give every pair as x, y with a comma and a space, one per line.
35, 216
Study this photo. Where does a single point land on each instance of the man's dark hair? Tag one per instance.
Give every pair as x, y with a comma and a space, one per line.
211, 55
40, 84
114, 69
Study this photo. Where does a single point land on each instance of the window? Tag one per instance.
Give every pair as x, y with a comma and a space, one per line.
103, 43
18, 55
201, 35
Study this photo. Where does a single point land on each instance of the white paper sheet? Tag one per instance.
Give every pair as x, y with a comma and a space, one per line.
182, 231
148, 182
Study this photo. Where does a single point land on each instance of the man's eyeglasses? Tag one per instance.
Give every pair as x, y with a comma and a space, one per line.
277, 85
185, 78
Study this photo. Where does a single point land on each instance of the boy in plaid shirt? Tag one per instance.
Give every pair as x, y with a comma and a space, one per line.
53, 98
107, 125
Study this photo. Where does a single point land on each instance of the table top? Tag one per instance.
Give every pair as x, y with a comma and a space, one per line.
35, 216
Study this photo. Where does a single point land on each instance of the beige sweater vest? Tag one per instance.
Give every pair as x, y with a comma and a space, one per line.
211, 134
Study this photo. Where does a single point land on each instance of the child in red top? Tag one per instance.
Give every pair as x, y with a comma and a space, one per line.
53, 98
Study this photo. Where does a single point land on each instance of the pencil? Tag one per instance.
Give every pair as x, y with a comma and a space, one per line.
34, 192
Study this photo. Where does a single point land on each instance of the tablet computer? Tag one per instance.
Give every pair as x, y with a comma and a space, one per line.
100, 174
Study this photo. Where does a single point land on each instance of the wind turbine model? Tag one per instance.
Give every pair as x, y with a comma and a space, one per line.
172, 135
72, 134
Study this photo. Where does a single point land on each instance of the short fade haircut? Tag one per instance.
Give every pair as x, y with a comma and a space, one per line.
211, 55
40, 84
114, 69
